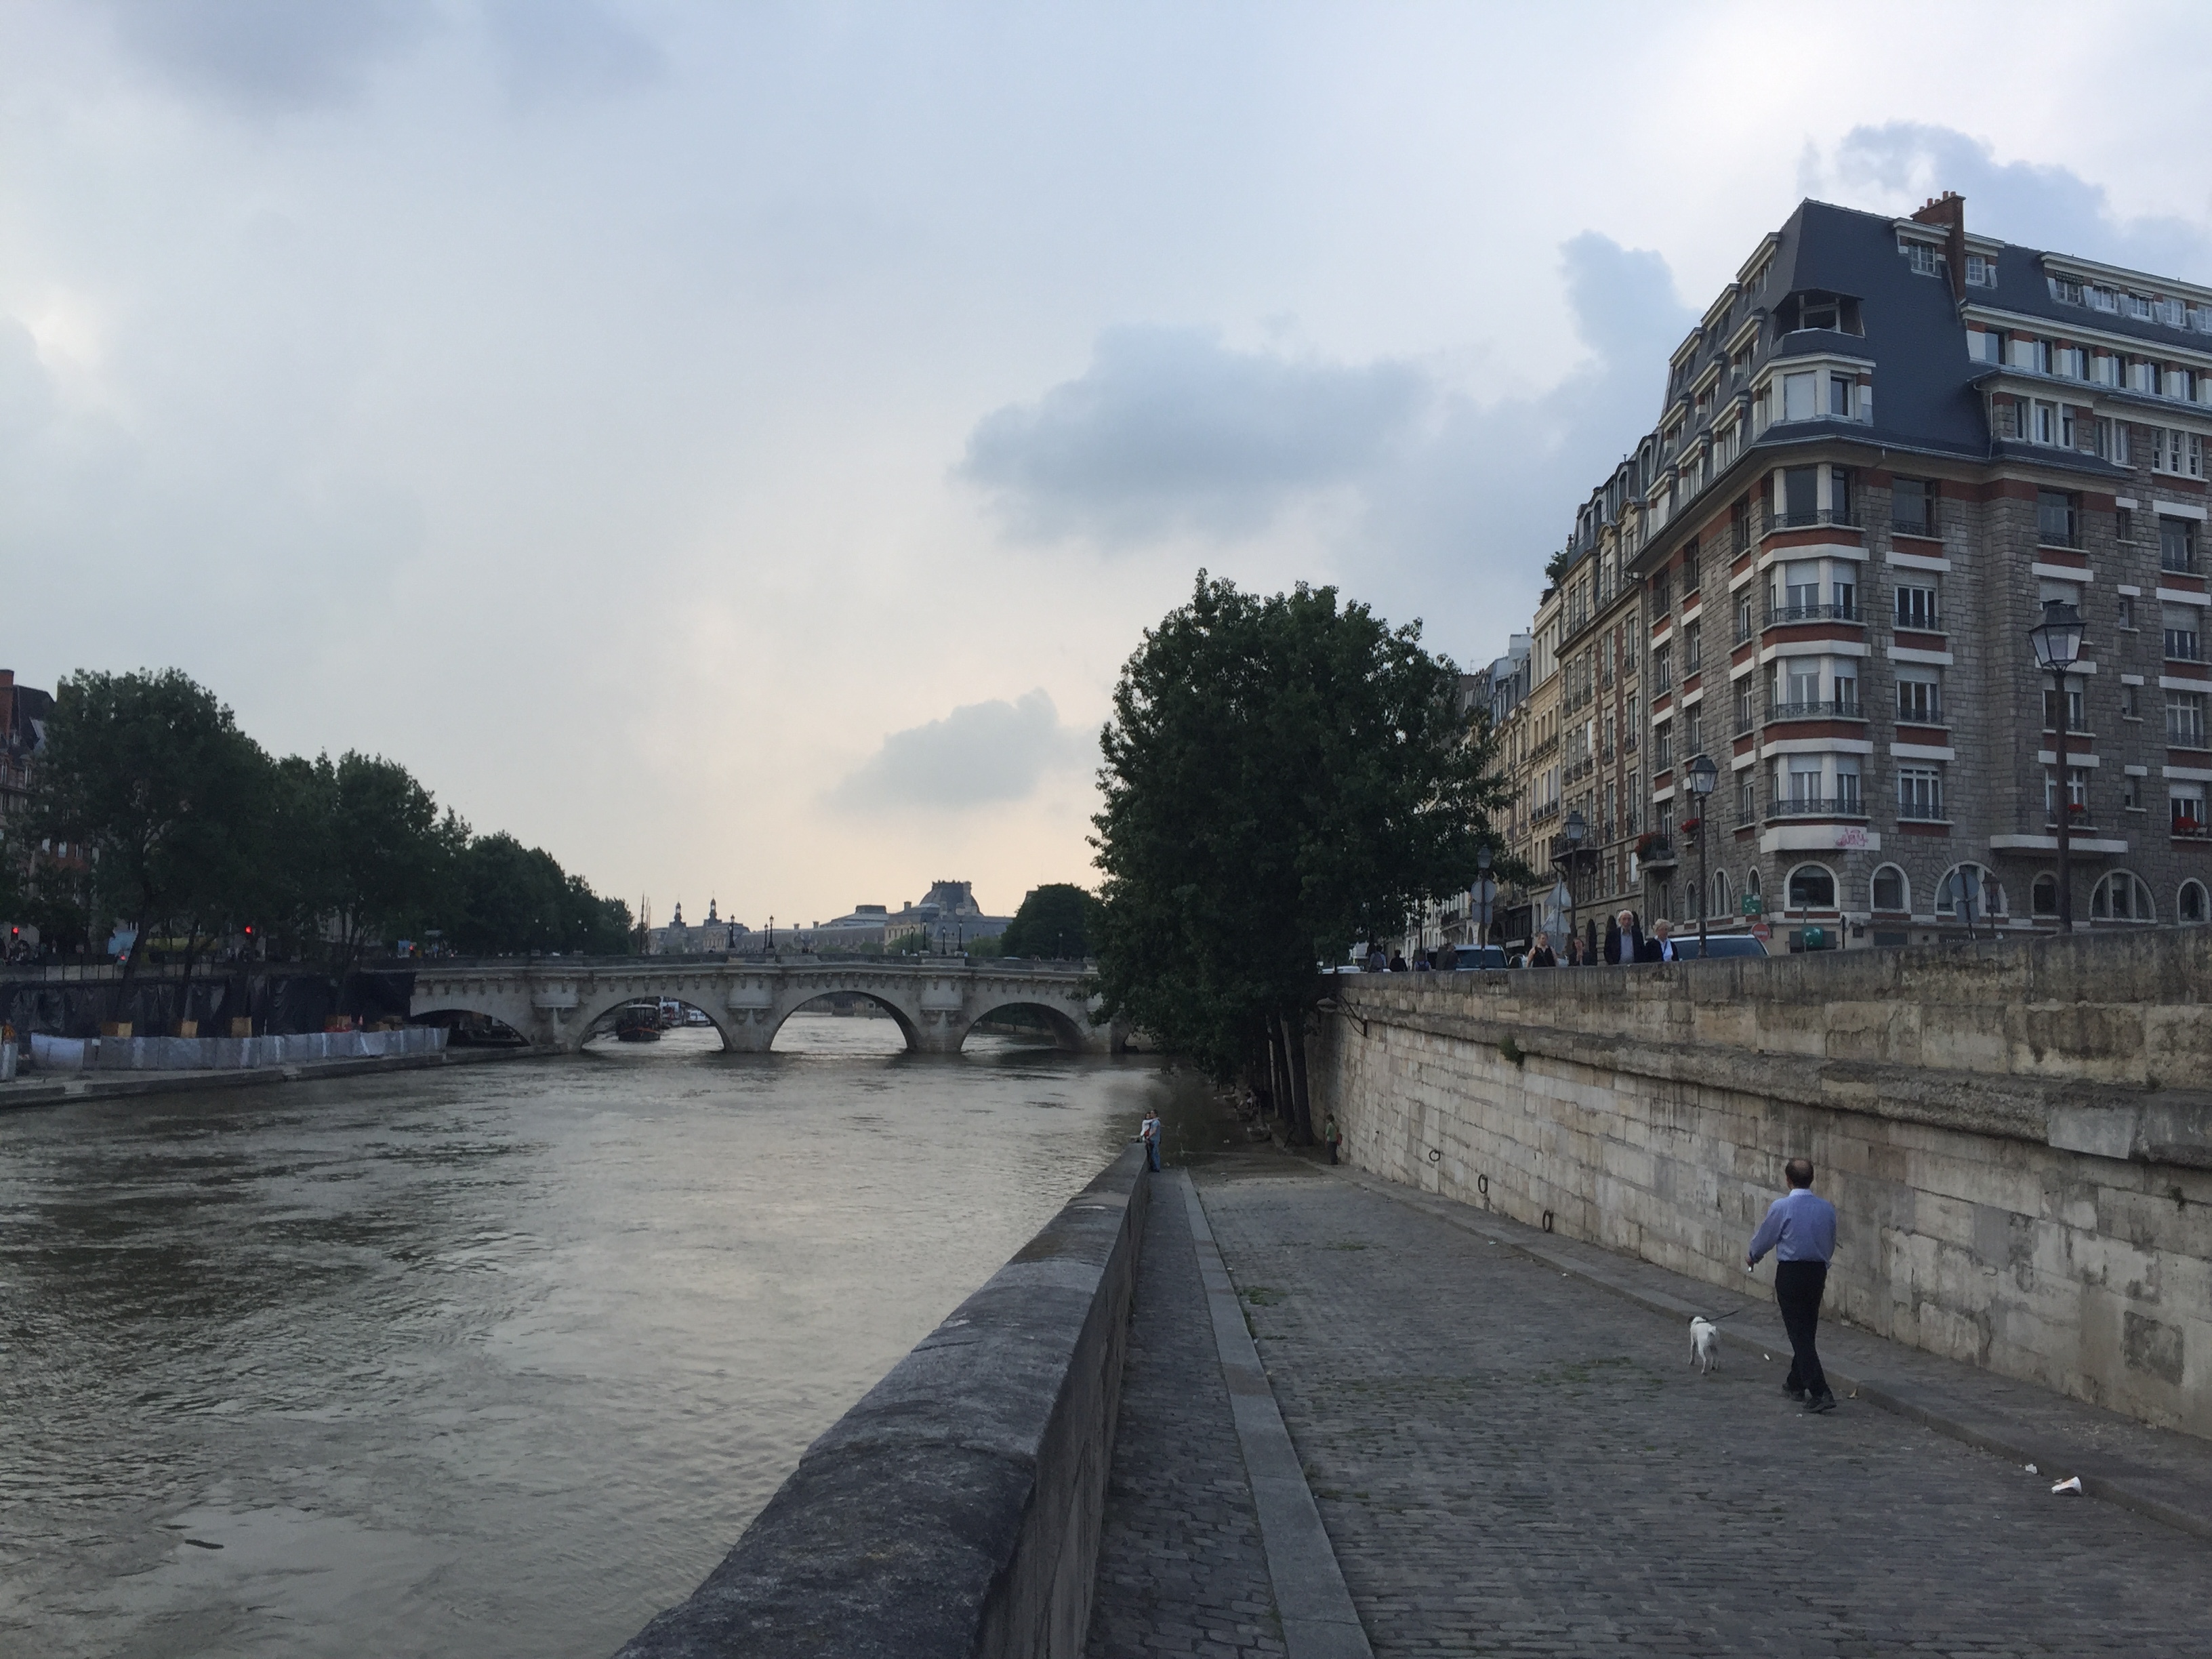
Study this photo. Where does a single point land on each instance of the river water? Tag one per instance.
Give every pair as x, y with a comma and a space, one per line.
496, 1359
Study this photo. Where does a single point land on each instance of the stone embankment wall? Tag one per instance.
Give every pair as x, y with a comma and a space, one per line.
955, 1510
2018, 1138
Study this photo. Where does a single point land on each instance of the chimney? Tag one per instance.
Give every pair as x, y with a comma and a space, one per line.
1949, 211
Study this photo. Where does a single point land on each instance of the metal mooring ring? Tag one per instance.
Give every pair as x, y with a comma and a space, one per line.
1482, 1185
1547, 1221
1436, 1155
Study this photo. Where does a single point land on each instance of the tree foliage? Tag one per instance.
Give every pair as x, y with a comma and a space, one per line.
1054, 919
1283, 776
193, 832
511, 899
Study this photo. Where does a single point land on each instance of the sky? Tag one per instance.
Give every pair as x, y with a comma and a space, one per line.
736, 446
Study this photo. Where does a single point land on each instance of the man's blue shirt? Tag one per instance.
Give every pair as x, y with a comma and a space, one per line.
1799, 1227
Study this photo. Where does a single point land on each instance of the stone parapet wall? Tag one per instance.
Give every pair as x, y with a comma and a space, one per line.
955, 1512
2018, 1138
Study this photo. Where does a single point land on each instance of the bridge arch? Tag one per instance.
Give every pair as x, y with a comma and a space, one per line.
589, 1012
804, 999
1070, 1032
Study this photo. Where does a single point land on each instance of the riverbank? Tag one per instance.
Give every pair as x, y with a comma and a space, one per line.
22, 1093
1509, 1451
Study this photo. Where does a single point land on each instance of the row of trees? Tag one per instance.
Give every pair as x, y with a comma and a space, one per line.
156, 812
1284, 776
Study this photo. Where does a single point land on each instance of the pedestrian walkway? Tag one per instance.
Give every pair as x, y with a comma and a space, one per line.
1512, 1454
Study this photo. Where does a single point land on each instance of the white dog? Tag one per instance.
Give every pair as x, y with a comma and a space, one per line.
1705, 1343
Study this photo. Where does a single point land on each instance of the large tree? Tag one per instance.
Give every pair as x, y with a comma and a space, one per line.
1284, 776
509, 899
1054, 919
150, 774
391, 855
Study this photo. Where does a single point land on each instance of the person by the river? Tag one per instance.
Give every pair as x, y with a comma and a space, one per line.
1801, 1230
1149, 1130
1660, 947
1376, 961
1543, 956
1332, 1137
1397, 961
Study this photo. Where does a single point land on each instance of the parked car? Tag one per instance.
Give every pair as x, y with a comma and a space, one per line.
1480, 956
1719, 945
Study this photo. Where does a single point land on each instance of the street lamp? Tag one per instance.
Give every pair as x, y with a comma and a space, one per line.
2057, 641
1575, 830
1703, 775
1485, 890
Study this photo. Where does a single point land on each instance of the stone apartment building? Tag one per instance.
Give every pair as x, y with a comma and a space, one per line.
1885, 446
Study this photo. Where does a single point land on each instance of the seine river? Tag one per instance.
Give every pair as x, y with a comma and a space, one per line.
496, 1360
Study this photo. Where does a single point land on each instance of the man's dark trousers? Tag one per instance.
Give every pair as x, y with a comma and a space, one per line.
1797, 1288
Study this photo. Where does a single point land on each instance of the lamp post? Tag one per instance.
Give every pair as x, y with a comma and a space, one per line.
1575, 830
1703, 775
2057, 641
1485, 890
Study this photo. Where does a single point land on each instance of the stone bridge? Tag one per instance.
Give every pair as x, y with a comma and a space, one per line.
556, 1003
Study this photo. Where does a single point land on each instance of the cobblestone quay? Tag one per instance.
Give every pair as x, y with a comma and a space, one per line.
1508, 1459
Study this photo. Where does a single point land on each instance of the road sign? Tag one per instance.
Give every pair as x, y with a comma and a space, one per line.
1761, 931
1754, 905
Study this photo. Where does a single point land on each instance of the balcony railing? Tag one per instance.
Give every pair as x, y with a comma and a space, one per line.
1921, 811
2181, 564
2183, 648
1654, 851
1780, 613
1817, 806
1842, 518
1913, 528
1817, 709
2191, 830
1745, 721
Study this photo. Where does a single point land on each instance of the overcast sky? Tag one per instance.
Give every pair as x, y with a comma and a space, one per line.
735, 447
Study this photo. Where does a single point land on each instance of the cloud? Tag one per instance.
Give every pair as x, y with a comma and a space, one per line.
556, 49
268, 54
1170, 430
1455, 497
1904, 163
980, 753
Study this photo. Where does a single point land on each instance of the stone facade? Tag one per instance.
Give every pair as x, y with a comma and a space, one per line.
2017, 1136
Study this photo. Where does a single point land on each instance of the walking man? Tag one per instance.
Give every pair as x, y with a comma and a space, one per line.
1150, 1132
1801, 1230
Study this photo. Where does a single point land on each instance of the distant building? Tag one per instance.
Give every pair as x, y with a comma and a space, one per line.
947, 915
24, 713
711, 936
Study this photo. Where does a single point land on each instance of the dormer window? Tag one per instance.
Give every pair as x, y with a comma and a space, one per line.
2138, 307
1982, 272
2064, 289
1822, 314
1921, 256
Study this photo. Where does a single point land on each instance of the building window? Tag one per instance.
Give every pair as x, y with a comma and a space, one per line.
1798, 391
1986, 346
2185, 718
2179, 453
2121, 896
1693, 730
2076, 710
2186, 801
2064, 289
2181, 635
1920, 794
1747, 805
1842, 397
2077, 792
2177, 545
1919, 703
1921, 256
1974, 886
1847, 788
1812, 887
2056, 519
1982, 272
2043, 896
1890, 891
1913, 505
2190, 904
2123, 614
1916, 608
